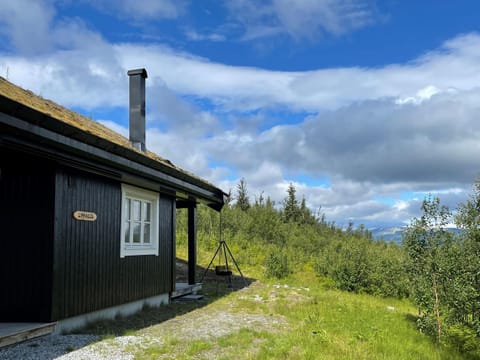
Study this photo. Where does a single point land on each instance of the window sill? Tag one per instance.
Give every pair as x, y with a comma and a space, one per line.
139, 250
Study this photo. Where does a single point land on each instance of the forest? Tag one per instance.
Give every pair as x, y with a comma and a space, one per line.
438, 271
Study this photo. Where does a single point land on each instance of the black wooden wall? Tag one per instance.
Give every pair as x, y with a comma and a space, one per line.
26, 237
89, 274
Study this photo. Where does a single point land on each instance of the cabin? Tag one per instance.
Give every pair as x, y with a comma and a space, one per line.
87, 216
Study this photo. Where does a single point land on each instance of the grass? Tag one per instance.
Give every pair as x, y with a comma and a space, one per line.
318, 323
302, 317
329, 324
336, 325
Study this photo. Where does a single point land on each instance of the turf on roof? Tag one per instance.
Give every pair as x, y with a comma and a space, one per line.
82, 123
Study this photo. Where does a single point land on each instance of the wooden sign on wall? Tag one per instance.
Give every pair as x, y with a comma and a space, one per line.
84, 215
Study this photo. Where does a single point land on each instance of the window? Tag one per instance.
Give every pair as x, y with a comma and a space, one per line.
139, 233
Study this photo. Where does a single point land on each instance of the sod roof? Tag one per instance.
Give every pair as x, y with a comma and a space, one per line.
85, 125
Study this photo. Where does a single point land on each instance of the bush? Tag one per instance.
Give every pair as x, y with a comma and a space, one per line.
464, 339
359, 264
276, 265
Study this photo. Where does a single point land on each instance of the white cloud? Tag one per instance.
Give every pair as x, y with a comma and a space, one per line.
141, 10
71, 80
301, 18
195, 36
26, 24
374, 132
265, 174
178, 115
115, 127
343, 200
243, 88
421, 95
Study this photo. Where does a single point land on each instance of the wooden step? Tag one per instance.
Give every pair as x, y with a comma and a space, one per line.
12, 333
190, 297
182, 289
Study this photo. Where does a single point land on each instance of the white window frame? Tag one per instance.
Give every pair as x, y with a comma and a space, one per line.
142, 248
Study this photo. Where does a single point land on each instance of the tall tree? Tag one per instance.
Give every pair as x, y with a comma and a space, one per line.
260, 200
425, 242
269, 203
306, 216
242, 195
291, 209
468, 219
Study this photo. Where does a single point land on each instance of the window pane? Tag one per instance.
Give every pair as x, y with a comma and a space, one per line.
136, 209
126, 235
146, 211
136, 232
146, 233
127, 209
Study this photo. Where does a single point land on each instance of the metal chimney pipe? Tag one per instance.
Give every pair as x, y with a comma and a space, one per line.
137, 108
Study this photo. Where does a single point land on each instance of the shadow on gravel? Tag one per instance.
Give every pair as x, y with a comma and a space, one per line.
214, 287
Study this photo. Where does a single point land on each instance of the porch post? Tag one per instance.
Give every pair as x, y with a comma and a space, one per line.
192, 243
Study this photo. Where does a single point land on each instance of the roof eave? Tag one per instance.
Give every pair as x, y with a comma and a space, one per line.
65, 136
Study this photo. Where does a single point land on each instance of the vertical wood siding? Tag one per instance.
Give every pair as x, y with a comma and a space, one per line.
26, 238
89, 274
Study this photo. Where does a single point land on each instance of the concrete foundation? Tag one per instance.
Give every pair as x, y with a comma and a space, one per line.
76, 322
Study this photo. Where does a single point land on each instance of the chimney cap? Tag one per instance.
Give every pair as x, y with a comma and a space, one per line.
142, 72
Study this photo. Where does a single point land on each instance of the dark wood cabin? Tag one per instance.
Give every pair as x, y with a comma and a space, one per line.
87, 216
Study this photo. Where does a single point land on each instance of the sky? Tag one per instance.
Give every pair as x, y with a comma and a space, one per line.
366, 107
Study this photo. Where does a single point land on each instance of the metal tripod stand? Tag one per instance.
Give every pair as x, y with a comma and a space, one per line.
223, 249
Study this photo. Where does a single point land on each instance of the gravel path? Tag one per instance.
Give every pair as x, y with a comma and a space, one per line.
77, 347
200, 324
192, 326
47, 347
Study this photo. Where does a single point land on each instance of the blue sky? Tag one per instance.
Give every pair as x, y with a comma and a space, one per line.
365, 106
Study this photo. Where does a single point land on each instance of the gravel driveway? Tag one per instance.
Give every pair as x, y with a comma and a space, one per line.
212, 321
47, 347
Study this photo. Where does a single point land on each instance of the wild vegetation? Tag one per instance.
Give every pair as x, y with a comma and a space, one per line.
444, 273
435, 270
297, 317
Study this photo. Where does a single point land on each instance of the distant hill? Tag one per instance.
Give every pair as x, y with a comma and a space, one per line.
395, 233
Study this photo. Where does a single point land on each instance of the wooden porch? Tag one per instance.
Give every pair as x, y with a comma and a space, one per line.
12, 333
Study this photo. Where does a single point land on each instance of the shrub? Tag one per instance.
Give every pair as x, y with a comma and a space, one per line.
464, 339
276, 265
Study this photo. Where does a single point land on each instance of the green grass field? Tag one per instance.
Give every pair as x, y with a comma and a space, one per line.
301, 317
316, 323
